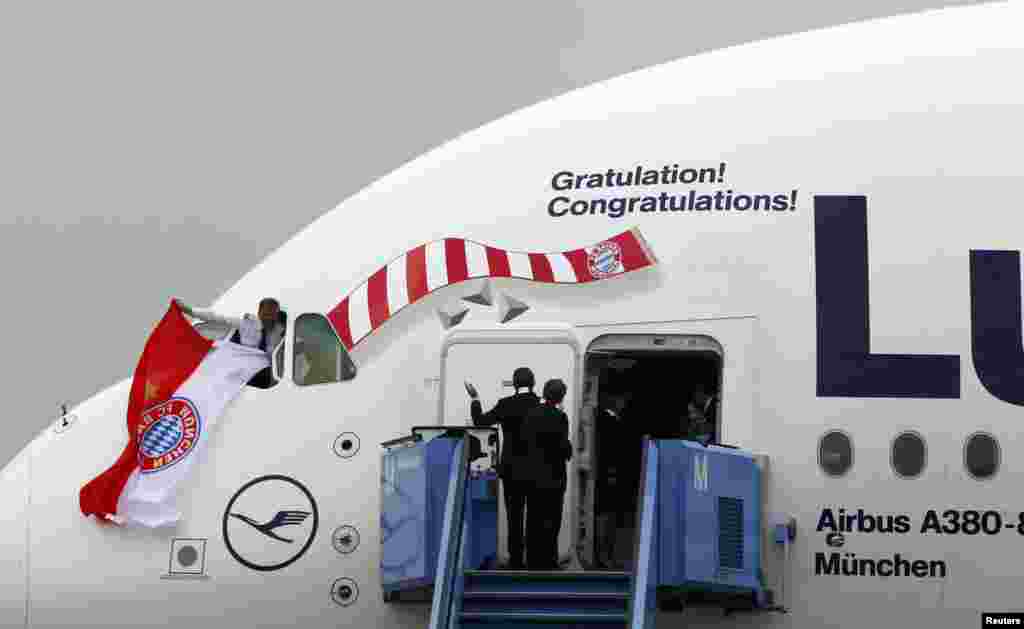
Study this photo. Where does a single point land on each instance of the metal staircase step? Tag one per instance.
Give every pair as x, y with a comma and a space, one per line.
547, 618
564, 606
516, 599
541, 595
554, 575
588, 583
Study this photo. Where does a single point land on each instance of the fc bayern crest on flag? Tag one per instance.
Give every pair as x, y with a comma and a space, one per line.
168, 433
605, 259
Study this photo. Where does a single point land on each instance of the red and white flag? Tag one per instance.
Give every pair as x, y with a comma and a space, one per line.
181, 386
434, 265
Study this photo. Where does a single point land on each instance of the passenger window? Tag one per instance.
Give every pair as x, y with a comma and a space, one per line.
835, 453
908, 455
319, 355
981, 456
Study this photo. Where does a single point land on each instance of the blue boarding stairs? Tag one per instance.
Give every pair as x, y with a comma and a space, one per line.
698, 539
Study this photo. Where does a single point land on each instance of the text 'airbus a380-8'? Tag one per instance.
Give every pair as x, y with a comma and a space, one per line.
701, 224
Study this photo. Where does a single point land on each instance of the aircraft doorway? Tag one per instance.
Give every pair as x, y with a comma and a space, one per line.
636, 385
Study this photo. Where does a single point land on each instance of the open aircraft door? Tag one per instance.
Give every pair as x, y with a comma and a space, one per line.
732, 338
718, 352
487, 358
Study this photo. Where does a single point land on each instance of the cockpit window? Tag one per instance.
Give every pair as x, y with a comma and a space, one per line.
319, 355
216, 331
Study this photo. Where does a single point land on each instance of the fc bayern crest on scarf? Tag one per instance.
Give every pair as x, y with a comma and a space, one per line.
168, 433
605, 260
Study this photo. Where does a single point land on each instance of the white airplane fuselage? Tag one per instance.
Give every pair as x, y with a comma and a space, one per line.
874, 296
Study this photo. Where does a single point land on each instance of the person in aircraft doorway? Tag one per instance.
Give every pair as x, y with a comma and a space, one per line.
697, 429
701, 416
513, 467
546, 433
264, 331
707, 403
611, 499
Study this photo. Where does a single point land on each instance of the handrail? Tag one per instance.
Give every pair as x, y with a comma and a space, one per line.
452, 430
423, 432
449, 555
459, 583
394, 442
643, 601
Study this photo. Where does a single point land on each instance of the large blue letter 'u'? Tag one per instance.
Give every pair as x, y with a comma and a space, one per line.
996, 324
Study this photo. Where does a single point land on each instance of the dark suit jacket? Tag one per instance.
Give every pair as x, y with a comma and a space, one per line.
711, 411
509, 412
546, 435
612, 440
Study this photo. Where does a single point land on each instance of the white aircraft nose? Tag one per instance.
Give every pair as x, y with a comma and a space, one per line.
14, 497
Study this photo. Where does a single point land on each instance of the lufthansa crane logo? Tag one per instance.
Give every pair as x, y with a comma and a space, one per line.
283, 518
270, 523
700, 472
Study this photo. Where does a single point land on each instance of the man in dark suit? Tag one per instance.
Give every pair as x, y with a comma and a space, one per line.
613, 495
702, 413
513, 468
705, 403
546, 434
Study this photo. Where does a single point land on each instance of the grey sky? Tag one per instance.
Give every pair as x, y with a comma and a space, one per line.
151, 150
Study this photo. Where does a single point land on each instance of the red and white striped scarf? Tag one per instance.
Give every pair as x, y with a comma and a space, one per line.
434, 265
